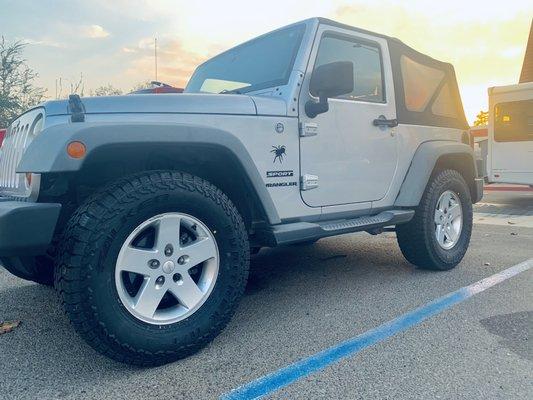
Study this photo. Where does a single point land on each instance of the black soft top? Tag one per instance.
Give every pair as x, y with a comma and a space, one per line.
450, 101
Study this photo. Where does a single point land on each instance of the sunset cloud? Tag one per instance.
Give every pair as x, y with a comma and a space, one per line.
175, 62
94, 32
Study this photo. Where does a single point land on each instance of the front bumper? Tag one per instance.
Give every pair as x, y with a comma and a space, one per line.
26, 229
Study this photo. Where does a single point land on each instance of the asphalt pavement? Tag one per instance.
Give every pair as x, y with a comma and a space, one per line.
301, 300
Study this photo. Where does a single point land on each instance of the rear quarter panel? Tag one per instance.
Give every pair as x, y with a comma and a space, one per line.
410, 138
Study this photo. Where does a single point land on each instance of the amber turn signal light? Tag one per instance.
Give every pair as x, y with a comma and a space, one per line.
76, 150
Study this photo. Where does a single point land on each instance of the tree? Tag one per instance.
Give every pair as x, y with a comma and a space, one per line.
482, 118
142, 85
108, 90
17, 89
76, 87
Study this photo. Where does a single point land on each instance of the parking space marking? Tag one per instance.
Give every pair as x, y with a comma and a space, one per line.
285, 376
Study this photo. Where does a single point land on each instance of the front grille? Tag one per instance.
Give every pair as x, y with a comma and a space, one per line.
18, 138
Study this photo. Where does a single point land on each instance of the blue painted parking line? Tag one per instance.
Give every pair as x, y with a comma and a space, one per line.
285, 376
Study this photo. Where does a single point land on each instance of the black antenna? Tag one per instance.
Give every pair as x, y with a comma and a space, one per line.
155, 55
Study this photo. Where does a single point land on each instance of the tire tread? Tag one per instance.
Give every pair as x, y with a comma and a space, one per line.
91, 219
414, 237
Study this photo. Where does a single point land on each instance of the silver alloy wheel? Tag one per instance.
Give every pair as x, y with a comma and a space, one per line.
448, 220
174, 274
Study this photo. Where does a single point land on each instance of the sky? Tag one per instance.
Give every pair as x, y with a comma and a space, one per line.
112, 41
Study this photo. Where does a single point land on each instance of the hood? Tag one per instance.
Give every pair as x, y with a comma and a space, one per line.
183, 103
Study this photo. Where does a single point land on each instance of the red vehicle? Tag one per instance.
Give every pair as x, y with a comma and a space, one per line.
2, 135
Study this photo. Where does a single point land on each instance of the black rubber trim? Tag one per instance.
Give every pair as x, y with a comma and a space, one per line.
479, 184
26, 228
76, 108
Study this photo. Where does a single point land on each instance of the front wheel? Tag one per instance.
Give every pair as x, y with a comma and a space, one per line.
153, 267
439, 234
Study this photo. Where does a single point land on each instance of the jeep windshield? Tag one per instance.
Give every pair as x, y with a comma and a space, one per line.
258, 64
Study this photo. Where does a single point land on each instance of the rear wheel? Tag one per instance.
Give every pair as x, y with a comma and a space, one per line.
439, 234
153, 267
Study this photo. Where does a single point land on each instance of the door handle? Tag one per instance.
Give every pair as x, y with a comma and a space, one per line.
383, 121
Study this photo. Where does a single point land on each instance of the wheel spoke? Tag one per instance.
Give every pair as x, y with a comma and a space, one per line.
148, 298
136, 260
455, 211
444, 201
440, 234
168, 231
187, 291
439, 217
451, 233
202, 250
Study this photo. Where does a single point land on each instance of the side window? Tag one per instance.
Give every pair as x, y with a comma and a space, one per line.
420, 83
366, 58
427, 88
513, 121
444, 104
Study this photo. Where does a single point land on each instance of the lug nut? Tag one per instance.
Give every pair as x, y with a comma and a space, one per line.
169, 250
176, 277
154, 264
183, 259
159, 282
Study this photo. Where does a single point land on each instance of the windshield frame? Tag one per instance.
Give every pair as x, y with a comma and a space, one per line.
299, 28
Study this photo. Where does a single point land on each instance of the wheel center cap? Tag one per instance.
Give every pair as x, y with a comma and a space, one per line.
168, 267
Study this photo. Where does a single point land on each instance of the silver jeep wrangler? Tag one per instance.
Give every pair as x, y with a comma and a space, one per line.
142, 210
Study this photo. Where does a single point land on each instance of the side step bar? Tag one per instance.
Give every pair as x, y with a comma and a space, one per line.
303, 231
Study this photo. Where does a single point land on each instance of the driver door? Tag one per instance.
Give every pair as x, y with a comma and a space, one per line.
354, 160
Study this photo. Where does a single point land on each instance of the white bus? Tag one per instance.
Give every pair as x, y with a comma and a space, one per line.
510, 134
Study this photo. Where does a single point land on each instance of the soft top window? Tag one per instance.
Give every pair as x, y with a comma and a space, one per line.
425, 89
443, 104
419, 82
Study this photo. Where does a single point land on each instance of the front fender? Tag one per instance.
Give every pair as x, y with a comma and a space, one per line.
47, 153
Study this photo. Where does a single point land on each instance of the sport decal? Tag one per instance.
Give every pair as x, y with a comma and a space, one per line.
279, 174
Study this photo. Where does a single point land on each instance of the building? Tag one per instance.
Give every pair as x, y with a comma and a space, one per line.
527, 67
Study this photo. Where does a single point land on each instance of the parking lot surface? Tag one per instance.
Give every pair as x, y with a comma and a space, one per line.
301, 300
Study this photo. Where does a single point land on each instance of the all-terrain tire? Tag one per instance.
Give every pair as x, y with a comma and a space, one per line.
417, 239
95, 233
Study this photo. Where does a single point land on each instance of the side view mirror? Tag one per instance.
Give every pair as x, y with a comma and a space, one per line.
329, 80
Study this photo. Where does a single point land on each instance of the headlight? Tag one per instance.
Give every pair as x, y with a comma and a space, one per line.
37, 125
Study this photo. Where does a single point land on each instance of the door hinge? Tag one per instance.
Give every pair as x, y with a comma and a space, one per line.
308, 182
308, 129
